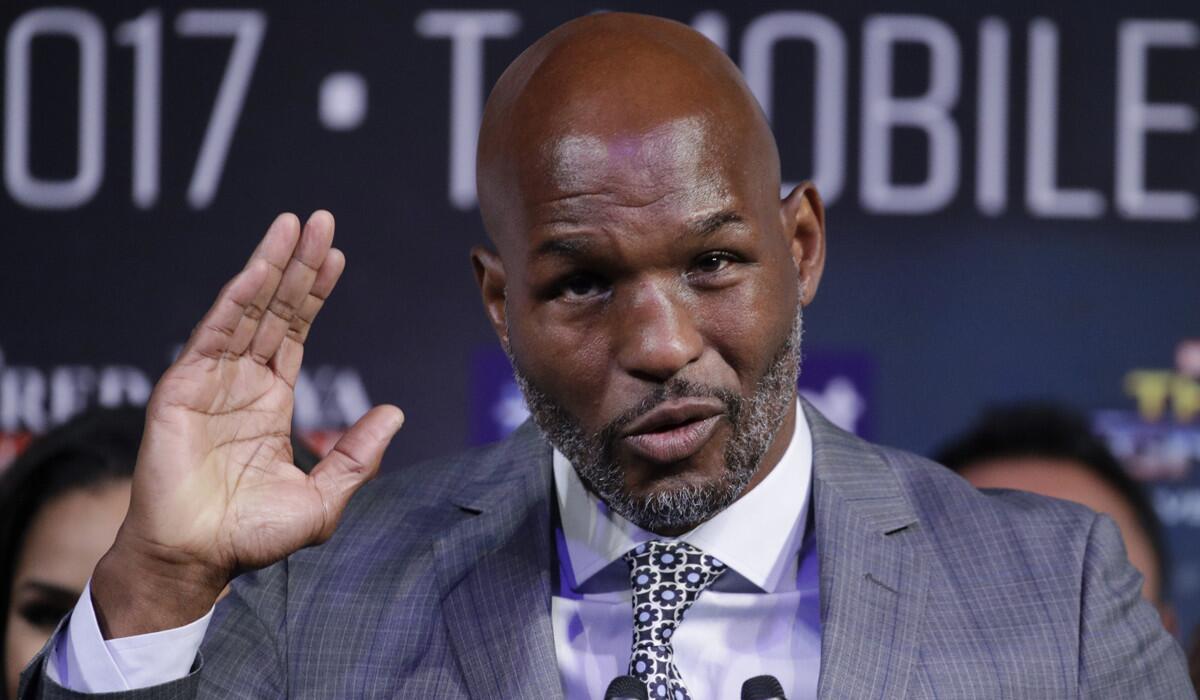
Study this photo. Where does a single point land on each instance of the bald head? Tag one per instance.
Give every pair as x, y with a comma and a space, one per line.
605, 96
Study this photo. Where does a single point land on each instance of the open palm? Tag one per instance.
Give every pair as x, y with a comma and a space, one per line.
215, 485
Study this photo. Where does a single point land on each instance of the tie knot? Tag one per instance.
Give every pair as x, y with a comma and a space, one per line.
671, 569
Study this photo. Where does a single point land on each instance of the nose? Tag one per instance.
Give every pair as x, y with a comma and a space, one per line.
658, 334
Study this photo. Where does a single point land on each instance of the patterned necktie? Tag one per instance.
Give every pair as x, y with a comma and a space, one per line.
666, 577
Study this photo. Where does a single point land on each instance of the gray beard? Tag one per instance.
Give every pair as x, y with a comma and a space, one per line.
675, 507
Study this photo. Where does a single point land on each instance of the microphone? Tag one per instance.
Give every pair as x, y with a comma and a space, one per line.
762, 688
627, 688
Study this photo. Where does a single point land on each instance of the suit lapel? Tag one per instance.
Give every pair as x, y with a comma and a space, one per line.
495, 567
873, 578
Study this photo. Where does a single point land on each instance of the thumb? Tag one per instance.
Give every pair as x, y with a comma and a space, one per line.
353, 462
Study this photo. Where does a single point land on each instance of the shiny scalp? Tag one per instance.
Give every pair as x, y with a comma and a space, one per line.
603, 75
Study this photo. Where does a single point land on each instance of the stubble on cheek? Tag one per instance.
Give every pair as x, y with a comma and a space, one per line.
681, 500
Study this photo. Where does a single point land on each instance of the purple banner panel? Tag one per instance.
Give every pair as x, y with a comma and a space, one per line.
841, 385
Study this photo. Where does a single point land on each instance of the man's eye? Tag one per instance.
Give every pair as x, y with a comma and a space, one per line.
712, 262
581, 286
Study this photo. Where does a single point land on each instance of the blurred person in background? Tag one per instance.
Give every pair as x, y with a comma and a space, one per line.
1049, 449
61, 503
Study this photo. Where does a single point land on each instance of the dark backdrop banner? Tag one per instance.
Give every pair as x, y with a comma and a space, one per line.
1012, 190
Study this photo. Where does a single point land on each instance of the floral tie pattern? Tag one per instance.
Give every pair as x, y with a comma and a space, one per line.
666, 578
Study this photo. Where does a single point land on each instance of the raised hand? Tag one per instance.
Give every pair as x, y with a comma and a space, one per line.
215, 492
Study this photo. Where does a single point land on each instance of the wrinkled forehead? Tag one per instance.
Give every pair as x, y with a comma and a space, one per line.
679, 156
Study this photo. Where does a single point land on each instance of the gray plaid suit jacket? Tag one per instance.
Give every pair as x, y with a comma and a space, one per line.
438, 584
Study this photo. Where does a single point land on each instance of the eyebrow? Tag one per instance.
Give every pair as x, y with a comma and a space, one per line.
567, 247
714, 222
577, 246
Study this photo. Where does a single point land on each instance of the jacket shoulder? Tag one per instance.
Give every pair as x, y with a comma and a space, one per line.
417, 499
403, 509
946, 501
996, 555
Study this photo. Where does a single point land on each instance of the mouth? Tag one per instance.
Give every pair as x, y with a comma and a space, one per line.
674, 430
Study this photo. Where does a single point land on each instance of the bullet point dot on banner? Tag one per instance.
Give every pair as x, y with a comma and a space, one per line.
342, 101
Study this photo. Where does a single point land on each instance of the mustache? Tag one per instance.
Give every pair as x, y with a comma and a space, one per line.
673, 389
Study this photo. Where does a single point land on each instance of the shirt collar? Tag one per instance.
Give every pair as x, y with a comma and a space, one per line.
759, 535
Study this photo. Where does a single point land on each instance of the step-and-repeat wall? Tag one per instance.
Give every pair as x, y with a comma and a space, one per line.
1012, 188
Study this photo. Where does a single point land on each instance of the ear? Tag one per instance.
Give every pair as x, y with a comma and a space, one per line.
803, 218
489, 274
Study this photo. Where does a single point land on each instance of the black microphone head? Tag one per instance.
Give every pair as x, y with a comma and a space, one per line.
763, 688
626, 688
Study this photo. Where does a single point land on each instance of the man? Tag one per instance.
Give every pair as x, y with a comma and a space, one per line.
1049, 450
648, 284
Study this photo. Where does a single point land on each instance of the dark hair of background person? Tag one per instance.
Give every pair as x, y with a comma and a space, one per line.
1052, 431
94, 448
91, 450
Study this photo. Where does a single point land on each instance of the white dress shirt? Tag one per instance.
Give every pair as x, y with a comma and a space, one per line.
761, 616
